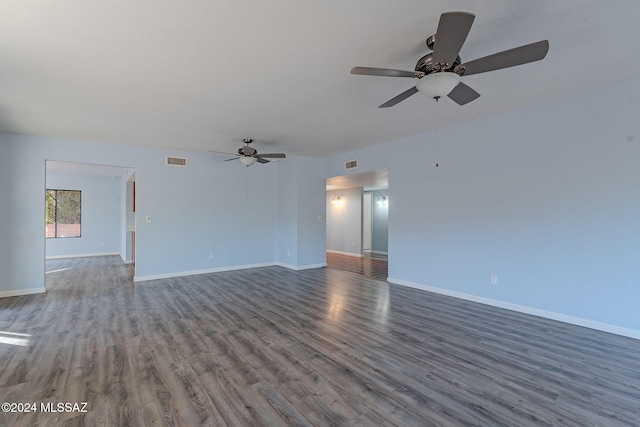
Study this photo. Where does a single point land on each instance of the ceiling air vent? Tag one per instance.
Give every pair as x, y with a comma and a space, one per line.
177, 161
351, 164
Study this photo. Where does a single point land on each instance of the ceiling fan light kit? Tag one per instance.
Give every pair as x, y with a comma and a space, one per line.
439, 72
437, 85
247, 161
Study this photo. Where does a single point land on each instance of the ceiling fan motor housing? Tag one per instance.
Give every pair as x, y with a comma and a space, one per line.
247, 151
425, 64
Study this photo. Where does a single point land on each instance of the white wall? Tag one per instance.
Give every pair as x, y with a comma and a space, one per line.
344, 221
100, 216
380, 222
22, 218
546, 197
301, 222
14, 237
288, 212
196, 210
237, 213
311, 187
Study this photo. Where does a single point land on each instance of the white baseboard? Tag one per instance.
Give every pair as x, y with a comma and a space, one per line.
230, 268
195, 272
83, 255
379, 252
345, 253
301, 267
19, 292
578, 321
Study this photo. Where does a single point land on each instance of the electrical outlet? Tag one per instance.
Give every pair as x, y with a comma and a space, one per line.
493, 279
211, 255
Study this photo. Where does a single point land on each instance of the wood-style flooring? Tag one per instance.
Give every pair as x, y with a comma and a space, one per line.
271, 346
372, 266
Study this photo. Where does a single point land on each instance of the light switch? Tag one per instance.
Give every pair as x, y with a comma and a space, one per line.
148, 218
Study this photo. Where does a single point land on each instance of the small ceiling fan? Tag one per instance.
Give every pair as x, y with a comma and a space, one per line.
439, 72
248, 155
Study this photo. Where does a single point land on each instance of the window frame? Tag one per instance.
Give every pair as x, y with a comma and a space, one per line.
55, 220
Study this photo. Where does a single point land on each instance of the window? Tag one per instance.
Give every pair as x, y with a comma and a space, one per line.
62, 213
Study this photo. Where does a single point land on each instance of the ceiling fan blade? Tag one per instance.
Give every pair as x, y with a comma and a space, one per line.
261, 160
273, 155
385, 72
453, 29
399, 98
222, 152
463, 94
505, 59
228, 160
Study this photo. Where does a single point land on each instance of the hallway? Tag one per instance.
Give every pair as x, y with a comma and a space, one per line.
373, 266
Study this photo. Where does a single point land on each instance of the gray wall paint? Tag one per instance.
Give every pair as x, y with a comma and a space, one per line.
196, 210
13, 210
311, 189
22, 220
301, 189
288, 212
100, 215
546, 197
380, 220
344, 223
211, 206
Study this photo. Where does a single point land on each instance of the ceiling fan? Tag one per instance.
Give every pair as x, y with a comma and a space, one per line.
439, 72
248, 155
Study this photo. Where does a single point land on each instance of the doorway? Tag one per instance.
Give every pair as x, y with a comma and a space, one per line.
357, 223
367, 222
378, 229
102, 217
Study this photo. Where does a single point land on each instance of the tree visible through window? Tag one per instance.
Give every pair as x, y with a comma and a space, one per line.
63, 213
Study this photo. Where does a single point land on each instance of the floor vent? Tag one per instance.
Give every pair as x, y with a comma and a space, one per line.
351, 164
177, 161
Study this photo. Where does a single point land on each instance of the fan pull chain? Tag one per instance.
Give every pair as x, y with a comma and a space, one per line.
247, 180
437, 98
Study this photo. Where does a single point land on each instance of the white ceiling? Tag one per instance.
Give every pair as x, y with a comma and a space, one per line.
201, 75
